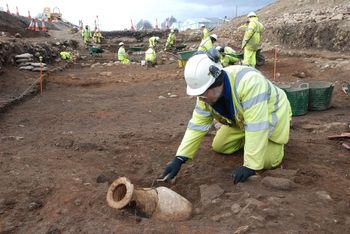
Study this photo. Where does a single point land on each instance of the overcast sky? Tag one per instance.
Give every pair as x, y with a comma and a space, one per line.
116, 14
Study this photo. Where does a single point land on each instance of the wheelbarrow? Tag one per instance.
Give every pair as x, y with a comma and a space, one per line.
135, 49
94, 51
184, 56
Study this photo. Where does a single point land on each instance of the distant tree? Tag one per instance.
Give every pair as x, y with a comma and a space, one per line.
144, 25
170, 20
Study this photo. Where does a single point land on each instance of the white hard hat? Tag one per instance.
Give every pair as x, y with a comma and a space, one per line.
121, 43
214, 36
172, 30
157, 38
197, 75
250, 14
202, 25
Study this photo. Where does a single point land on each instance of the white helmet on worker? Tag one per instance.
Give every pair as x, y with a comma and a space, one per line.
214, 36
172, 30
202, 25
197, 75
251, 14
157, 38
121, 43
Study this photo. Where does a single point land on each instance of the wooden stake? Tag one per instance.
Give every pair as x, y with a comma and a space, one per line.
41, 75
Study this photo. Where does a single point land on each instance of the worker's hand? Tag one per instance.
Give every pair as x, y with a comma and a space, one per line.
241, 174
173, 168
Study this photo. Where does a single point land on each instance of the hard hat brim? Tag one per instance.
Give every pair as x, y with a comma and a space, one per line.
201, 90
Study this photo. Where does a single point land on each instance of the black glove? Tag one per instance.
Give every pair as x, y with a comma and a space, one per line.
173, 168
241, 174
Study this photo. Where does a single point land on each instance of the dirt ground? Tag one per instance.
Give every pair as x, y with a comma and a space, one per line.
98, 120
60, 151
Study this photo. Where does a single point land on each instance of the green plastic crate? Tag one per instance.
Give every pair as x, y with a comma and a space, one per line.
320, 95
186, 55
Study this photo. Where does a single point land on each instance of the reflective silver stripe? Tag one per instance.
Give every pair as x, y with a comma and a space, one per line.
274, 116
254, 127
249, 29
202, 112
239, 77
203, 128
255, 100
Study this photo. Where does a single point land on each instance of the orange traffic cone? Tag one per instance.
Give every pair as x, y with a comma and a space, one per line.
43, 26
36, 25
31, 25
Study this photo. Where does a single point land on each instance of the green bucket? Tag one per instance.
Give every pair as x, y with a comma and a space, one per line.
320, 95
298, 98
186, 55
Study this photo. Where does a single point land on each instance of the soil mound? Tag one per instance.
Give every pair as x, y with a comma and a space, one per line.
17, 24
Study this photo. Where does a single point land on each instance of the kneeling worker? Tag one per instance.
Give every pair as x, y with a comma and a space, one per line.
254, 112
151, 56
227, 55
122, 55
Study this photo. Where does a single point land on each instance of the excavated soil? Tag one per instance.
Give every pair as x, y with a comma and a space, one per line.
59, 152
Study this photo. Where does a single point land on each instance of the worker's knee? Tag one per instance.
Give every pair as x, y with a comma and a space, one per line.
227, 147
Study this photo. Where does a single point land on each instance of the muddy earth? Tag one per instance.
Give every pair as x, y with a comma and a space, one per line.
97, 120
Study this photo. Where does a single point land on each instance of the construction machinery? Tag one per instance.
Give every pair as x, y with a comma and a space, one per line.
54, 15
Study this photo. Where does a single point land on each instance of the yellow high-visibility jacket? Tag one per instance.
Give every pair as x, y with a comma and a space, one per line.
251, 39
260, 108
65, 55
87, 35
152, 42
150, 56
205, 44
205, 33
122, 55
170, 41
228, 57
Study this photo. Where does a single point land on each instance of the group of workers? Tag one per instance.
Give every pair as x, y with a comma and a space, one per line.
228, 56
150, 54
254, 113
250, 43
88, 36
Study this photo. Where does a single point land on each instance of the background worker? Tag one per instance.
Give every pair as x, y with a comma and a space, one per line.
254, 112
251, 39
205, 32
153, 41
66, 55
87, 36
170, 40
207, 44
97, 36
151, 56
227, 55
122, 55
